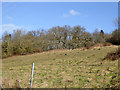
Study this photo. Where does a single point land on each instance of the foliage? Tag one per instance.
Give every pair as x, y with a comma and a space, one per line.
115, 38
66, 37
113, 55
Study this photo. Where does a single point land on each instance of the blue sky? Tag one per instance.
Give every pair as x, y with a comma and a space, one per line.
36, 15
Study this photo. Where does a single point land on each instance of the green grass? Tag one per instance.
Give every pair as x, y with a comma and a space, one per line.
54, 69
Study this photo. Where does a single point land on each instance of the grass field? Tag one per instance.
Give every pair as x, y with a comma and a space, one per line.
53, 69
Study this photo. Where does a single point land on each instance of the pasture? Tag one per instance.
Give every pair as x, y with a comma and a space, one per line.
62, 68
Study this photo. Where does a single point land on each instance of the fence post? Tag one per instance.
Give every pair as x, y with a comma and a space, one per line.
32, 76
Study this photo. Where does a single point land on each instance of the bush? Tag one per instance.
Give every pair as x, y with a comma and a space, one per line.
107, 44
113, 55
115, 39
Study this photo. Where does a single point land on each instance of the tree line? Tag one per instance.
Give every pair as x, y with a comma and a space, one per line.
66, 37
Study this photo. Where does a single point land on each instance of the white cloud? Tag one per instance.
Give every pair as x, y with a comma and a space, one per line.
8, 28
73, 12
11, 27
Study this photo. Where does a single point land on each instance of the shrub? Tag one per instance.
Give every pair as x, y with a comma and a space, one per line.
113, 55
107, 44
115, 39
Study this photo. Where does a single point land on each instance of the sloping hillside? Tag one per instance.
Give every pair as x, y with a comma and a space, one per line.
59, 68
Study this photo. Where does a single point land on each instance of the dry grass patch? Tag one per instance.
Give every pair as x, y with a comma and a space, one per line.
77, 69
